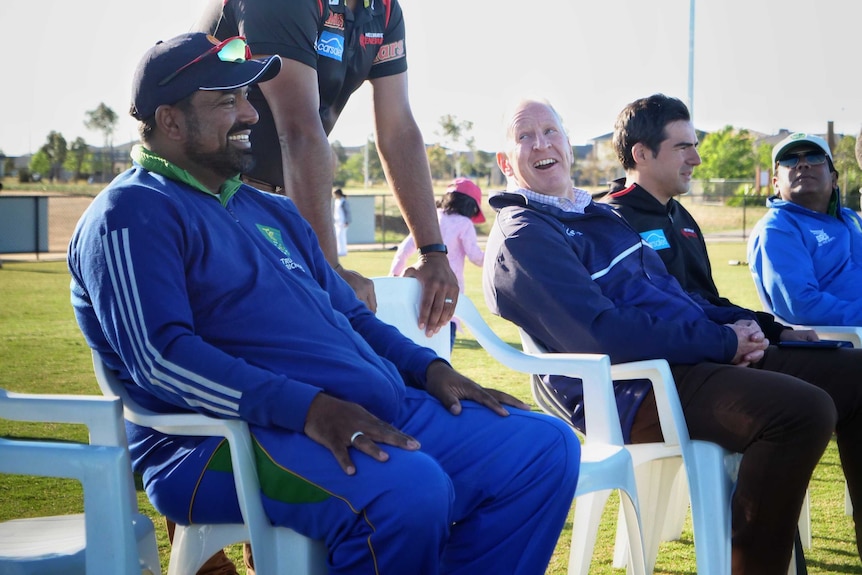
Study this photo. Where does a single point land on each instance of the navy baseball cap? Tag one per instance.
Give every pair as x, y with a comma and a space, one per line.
176, 68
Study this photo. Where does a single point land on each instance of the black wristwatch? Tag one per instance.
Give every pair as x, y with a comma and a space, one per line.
432, 248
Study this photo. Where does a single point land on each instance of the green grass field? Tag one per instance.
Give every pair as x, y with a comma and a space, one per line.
41, 351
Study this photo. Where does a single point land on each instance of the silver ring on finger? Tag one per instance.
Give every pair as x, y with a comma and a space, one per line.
355, 436
448, 301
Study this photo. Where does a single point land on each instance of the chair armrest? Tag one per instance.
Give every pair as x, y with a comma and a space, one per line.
842, 332
601, 414
671, 418
101, 415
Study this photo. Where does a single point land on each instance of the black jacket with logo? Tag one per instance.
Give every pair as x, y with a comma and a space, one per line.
674, 234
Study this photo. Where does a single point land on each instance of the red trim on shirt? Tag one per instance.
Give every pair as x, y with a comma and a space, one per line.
623, 192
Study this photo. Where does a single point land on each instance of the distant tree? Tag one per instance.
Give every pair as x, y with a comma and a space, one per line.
104, 120
338, 152
8, 166
40, 163
849, 173
55, 150
339, 157
353, 168
763, 157
484, 164
439, 162
727, 153
454, 134
80, 159
372, 166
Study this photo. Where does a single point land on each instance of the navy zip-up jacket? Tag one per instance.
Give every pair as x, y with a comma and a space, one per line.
587, 283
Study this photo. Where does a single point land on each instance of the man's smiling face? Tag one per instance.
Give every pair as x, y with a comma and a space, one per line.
539, 156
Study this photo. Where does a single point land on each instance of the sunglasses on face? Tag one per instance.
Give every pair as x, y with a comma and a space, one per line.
811, 158
231, 50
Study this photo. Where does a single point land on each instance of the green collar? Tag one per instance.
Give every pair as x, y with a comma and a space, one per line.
152, 162
832, 209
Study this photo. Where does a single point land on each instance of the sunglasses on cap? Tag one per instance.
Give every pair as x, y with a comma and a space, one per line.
812, 158
231, 50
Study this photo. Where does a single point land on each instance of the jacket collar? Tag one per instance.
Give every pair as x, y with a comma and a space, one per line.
639, 198
152, 162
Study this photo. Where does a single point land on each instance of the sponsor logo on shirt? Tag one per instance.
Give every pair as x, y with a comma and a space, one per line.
371, 39
335, 21
655, 239
388, 52
822, 237
572, 233
688, 233
274, 237
330, 45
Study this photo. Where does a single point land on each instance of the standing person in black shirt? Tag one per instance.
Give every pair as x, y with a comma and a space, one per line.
328, 49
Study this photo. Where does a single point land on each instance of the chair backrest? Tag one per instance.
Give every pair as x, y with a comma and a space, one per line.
671, 418
545, 397
397, 304
102, 467
852, 334
241, 450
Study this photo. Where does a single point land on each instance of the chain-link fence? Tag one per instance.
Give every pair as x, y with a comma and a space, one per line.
64, 211
723, 208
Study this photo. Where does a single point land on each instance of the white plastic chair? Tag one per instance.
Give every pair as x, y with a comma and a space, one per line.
276, 550
605, 463
710, 472
121, 541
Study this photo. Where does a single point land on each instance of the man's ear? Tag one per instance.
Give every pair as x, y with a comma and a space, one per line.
503, 163
170, 121
639, 152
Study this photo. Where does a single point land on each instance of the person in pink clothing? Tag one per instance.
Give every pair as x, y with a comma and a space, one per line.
457, 211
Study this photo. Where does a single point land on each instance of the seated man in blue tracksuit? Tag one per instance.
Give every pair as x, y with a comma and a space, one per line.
806, 252
210, 296
578, 278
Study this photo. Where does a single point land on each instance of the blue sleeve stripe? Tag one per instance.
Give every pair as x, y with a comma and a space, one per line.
194, 389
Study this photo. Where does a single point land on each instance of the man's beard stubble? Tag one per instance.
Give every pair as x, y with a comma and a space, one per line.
226, 161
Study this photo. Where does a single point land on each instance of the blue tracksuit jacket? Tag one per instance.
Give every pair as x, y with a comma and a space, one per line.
180, 285
807, 265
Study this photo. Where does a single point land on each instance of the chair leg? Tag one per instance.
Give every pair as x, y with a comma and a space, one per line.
148, 551
193, 545
585, 527
677, 509
710, 490
804, 525
299, 554
655, 483
634, 529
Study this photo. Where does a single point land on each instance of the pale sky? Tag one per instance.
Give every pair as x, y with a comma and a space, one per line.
759, 64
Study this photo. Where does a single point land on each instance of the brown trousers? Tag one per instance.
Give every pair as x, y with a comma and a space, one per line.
780, 414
